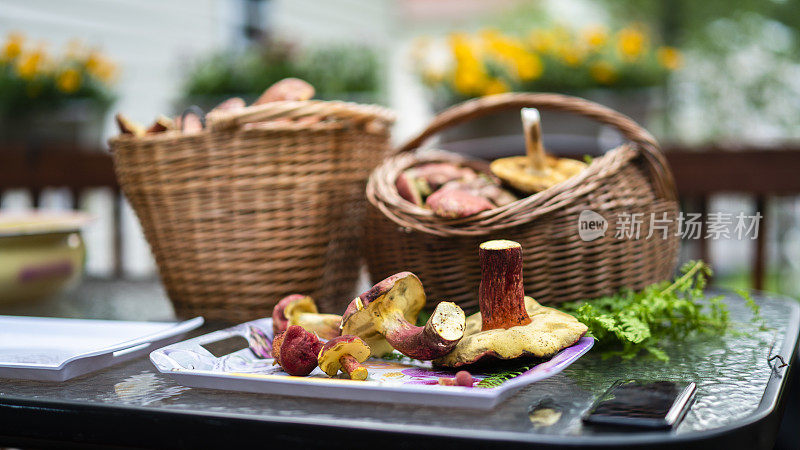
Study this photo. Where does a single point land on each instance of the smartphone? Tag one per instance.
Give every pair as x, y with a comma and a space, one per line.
642, 404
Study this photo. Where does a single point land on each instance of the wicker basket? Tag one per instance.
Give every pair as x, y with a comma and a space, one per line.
256, 206
559, 266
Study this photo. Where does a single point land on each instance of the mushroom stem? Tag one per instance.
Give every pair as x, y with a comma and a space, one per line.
325, 325
437, 338
353, 368
501, 294
532, 126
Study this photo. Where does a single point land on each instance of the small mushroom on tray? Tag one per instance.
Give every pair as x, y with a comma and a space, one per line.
462, 378
296, 351
345, 353
511, 325
384, 317
298, 309
536, 171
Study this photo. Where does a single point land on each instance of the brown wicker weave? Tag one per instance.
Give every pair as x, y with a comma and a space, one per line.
559, 265
254, 208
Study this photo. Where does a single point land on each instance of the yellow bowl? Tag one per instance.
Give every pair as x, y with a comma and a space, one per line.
41, 254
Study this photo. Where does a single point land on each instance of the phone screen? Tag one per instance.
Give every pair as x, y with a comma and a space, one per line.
639, 403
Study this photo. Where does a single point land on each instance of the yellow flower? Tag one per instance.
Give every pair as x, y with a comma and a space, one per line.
631, 43
28, 65
69, 80
99, 67
543, 41
571, 55
595, 36
470, 79
670, 57
495, 86
603, 72
529, 67
13, 46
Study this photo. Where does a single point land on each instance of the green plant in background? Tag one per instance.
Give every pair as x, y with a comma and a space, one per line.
336, 71
554, 58
340, 70
226, 73
32, 79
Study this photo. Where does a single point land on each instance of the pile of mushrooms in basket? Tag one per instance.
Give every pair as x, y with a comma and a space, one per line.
193, 119
451, 190
382, 321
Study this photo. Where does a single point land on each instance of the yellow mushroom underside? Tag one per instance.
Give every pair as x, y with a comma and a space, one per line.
331, 364
549, 332
407, 297
517, 172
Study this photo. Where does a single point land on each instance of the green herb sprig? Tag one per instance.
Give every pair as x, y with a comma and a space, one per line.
628, 323
499, 378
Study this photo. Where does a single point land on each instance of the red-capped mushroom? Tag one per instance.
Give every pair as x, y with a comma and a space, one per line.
296, 351
297, 309
286, 89
456, 203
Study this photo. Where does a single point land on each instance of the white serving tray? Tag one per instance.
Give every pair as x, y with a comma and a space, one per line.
51, 349
404, 381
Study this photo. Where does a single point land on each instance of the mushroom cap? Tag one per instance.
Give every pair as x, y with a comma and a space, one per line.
296, 350
436, 174
549, 332
289, 306
287, 89
517, 172
364, 316
455, 203
408, 189
337, 347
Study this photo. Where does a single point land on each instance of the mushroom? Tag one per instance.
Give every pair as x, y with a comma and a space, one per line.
436, 174
231, 104
162, 124
457, 203
408, 188
384, 317
296, 351
536, 171
462, 378
507, 328
286, 89
345, 353
191, 120
298, 309
483, 186
128, 126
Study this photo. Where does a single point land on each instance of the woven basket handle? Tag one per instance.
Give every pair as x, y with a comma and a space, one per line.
473, 109
355, 112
